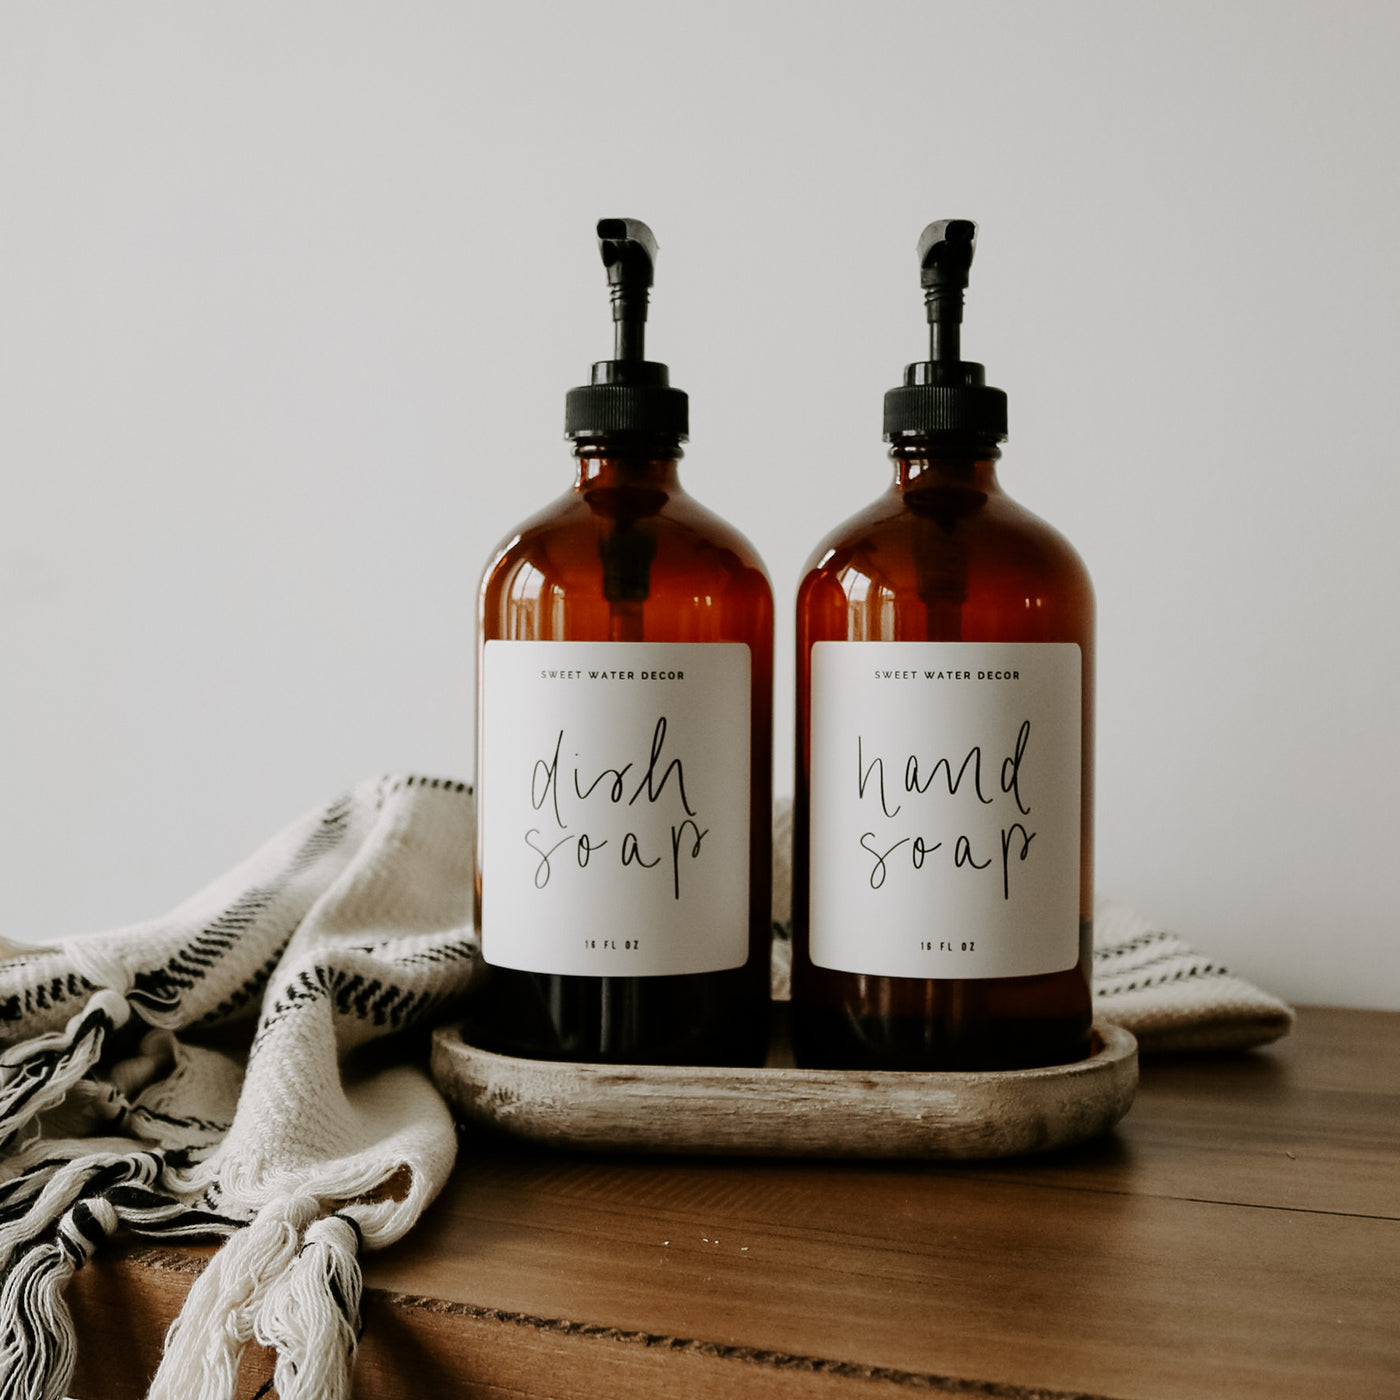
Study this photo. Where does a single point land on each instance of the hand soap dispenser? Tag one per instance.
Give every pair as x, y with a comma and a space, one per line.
943, 858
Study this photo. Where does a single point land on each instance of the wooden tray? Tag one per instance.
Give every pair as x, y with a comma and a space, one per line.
780, 1111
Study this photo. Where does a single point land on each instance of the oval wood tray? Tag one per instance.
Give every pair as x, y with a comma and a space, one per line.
785, 1112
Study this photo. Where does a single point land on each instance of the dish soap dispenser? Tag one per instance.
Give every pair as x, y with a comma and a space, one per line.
625, 741
943, 857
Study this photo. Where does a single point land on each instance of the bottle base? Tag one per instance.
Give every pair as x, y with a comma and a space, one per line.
690, 1019
823, 1039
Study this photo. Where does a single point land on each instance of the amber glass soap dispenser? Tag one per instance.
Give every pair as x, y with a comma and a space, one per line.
625, 672
943, 872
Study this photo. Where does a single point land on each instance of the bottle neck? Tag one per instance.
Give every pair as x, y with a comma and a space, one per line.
603, 462
923, 463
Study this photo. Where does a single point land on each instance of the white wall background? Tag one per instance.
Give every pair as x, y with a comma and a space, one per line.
290, 295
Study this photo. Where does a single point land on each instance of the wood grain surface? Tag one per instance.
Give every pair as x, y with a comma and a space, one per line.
1237, 1235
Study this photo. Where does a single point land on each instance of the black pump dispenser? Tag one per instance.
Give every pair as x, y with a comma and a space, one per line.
945, 393
629, 393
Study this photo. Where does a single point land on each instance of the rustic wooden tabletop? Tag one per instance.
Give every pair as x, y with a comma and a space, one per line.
1238, 1235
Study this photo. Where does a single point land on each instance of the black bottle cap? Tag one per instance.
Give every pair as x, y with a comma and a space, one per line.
945, 393
629, 393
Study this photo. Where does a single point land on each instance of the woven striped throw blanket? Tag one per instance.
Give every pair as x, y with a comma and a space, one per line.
251, 1068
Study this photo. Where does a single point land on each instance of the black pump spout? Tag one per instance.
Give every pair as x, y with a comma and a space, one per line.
628, 393
946, 394
629, 254
945, 255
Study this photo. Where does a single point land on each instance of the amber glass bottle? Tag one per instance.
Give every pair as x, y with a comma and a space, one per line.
943, 838
625, 750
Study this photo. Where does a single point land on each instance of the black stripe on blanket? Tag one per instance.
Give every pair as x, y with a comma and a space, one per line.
369, 998
161, 988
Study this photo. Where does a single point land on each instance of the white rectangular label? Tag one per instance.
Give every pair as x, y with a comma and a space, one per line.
945, 820
614, 807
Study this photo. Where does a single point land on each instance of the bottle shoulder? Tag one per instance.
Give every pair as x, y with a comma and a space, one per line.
563, 540
895, 540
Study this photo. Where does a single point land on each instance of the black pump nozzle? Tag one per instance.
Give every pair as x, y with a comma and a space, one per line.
945, 394
628, 393
629, 254
945, 255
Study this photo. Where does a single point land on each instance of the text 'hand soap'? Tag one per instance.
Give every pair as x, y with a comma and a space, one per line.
625, 742
943, 834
